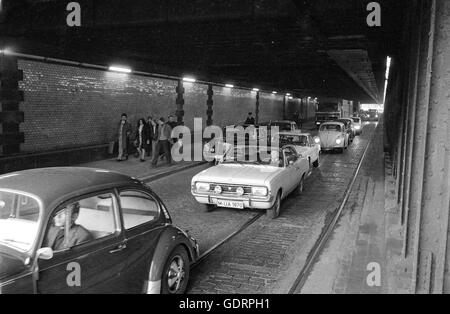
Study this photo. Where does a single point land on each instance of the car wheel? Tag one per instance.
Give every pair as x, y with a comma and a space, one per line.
209, 208
316, 164
176, 272
274, 212
341, 150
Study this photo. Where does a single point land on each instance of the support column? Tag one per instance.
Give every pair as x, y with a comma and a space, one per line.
284, 108
257, 108
416, 47
180, 102
10, 98
210, 104
433, 234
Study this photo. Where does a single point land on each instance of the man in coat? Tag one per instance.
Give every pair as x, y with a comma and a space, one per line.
164, 137
124, 133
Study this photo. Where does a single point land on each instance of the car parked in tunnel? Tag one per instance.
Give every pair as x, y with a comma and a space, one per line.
358, 125
252, 177
334, 136
79, 230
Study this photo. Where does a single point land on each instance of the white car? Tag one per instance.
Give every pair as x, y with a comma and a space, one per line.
250, 179
334, 136
305, 145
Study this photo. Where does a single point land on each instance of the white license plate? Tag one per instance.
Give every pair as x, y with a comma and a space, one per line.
230, 204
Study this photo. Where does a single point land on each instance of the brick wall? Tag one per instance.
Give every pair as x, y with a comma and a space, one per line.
67, 106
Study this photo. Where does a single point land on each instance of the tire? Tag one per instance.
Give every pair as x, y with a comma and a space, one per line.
274, 212
341, 150
208, 208
316, 164
176, 265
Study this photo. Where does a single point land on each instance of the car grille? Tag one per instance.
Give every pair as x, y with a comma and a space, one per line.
228, 189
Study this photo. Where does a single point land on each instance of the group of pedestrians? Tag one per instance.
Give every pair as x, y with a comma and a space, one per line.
152, 138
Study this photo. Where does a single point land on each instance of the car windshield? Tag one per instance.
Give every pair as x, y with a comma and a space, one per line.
254, 156
331, 127
19, 216
297, 140
283, 126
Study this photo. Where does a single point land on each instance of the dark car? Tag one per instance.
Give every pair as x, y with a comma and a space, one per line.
350, 128
79, 230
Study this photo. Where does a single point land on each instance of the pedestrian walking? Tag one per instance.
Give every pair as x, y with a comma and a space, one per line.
164, 139
149, 147
142, 138
124, 133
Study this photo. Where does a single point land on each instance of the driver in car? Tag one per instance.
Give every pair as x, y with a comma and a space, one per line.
56, 237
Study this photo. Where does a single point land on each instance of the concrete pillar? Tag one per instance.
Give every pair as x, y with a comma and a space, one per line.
284, 108
180, 102
416, 46
257, 108
209, 104
10, 98
429, 197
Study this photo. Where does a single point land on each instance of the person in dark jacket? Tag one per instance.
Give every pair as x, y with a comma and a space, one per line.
164, 139
151, 127
124, 133
142, 138
58, 238
250, 120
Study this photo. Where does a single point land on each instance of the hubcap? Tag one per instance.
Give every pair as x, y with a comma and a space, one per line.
176, 274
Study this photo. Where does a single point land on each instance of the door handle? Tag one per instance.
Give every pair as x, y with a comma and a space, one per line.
120, 248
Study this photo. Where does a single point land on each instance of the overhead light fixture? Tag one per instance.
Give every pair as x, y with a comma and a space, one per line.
288, 94
290, 97
189, 79
120, 69
229, 85
256, 89
274, 92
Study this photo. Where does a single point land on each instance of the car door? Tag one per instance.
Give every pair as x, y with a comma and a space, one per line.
93, 266
293, 167
143, 222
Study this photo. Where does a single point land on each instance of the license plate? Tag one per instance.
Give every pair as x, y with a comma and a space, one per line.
230, 204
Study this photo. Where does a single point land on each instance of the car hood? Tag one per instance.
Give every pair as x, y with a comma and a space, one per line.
237, 174
302, 150
10, 265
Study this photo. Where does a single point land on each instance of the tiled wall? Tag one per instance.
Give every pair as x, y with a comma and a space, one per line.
68, 106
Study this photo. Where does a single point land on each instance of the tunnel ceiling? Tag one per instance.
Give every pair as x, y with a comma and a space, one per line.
310, 47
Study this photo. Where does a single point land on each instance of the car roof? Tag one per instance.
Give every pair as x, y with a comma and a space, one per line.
52, 184
333, 123
294, 133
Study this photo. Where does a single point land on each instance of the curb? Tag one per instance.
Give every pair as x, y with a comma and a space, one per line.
158, 176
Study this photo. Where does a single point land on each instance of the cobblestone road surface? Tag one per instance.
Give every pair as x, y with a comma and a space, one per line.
267, 256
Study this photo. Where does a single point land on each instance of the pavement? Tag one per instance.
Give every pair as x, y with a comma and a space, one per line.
364, 256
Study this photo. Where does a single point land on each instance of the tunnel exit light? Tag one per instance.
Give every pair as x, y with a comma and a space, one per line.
120, 69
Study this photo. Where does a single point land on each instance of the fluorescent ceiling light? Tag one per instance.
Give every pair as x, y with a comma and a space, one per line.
229, 85
189, 79
119, 69
256, 89
288, 94
274, 92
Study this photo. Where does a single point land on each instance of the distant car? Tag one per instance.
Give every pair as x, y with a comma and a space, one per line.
248, 178
305, 145
283, 126
334, 136
357, 122
79, 230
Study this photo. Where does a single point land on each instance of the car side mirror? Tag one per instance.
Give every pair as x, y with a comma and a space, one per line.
45, 254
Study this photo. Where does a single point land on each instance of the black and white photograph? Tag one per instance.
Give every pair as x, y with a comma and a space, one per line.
228, 152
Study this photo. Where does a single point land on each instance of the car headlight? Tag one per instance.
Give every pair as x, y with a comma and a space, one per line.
240, 191
339, 141
202, 187
218, 189
317, 140
260, 191
358, 127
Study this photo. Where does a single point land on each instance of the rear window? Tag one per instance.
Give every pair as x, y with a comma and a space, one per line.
331, 127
